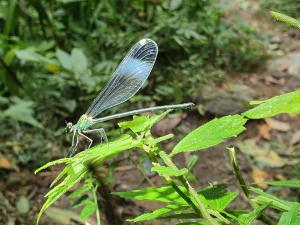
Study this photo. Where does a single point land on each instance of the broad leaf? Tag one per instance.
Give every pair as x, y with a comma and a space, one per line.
211, 133
64, 58
79, 61
286, 103
285, 183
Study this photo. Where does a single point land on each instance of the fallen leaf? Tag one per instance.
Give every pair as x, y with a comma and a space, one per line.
278, 125
260, 176
264, 131
5, 163
295, 138
263, 155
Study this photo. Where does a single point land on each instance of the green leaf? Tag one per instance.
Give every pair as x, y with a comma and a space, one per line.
167, 171
88, 210
286, 19
194, 223
215, 197
11, 16
142, 123
211, 133
161, 194
52, 163
192, 160
78, 166
265, 198
79, 61
291, 217
285, 183
286, 103
30, 54
70, 180
22, 111
64, 58
248, 218
159, 212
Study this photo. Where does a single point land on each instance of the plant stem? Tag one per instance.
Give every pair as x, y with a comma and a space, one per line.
190, 189
178, 190
243, 183
237, 172
96, 202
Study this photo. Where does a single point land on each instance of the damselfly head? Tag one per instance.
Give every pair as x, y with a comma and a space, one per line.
69, 127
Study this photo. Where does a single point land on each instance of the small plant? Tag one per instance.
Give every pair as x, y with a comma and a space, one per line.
205, 206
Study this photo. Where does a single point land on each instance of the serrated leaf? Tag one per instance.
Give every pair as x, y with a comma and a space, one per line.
167, 171
248, 218
285, 183
286, 103
159, 212
77, 167
52, 163
211, 133
291, 217
142, 123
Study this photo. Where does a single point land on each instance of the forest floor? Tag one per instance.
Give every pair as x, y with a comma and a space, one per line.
267, 150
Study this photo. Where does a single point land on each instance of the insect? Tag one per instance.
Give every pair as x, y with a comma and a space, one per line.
127, 79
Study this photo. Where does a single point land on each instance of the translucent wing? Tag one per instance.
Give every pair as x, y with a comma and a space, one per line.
128, 77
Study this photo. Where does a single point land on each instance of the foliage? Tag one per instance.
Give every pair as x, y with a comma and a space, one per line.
56, 55
208, 205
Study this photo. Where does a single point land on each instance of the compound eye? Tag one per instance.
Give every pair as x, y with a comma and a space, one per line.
69, 127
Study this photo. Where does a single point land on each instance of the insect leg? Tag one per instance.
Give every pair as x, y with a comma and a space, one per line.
75, 142
101, 131
89, 139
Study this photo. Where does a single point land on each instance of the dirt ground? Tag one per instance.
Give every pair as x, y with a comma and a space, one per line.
280, 135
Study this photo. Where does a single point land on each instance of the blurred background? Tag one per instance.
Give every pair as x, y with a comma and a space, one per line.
56, 55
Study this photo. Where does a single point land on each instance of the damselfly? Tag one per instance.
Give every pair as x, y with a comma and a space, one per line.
128, 78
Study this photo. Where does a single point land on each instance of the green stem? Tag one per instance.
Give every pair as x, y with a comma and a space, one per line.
96, 202
238, 173
177, 189
200, 206
243, 183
